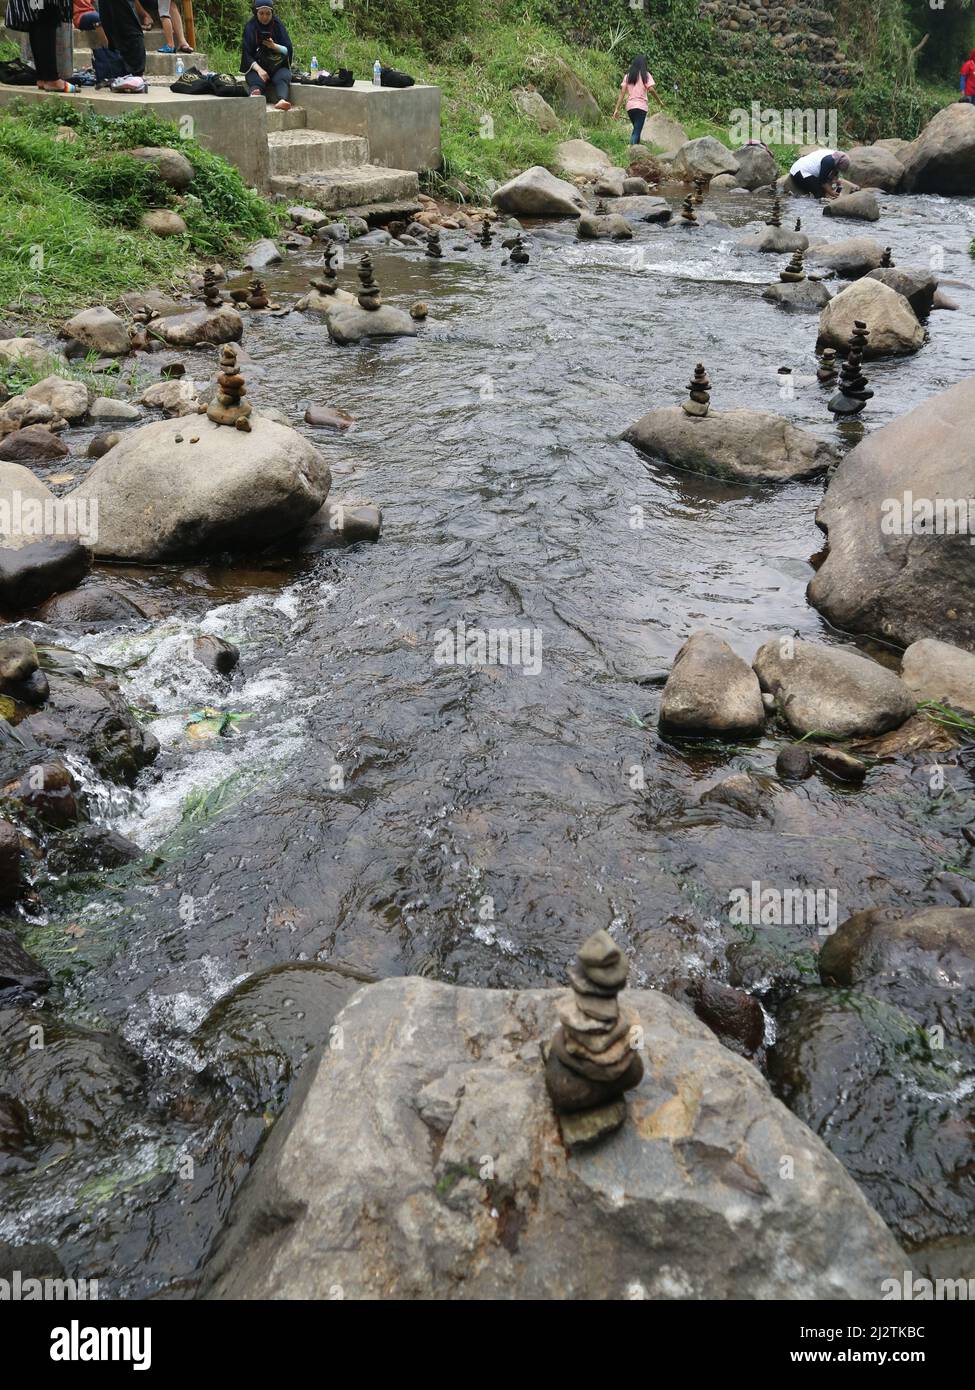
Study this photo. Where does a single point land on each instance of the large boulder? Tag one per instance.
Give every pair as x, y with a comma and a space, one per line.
89, 608
92, 718
223, 325
68, 399
40, 549
100, 330
535, 108
756, 167
590, 227
893, 324
774, 239
537, 193
902, 951
663, 133
896, 568
861, 206
608, 183
570, 95
579, 159
162, 495
703, 158
874, 166
711, 691
831, 691
29, 351
748, 446
850, 258
262, 254
917, 286
350, 323
172, 167
422, 1160
942, 158
934, 670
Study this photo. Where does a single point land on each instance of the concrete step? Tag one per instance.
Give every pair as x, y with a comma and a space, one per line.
314, 152
157, 64
346, 188
295, 119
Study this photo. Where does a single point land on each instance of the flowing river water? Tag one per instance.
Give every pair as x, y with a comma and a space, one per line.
386, 814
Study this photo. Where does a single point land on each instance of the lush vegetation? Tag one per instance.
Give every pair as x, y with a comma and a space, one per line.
70, 208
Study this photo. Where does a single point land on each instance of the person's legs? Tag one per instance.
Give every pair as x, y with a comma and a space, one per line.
43, 35
281, 84
124, 32
637, 119
255, 87
179, 37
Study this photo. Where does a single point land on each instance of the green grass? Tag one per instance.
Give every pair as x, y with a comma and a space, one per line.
70, 209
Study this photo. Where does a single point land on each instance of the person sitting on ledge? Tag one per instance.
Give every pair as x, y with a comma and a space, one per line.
816, 173
266, 56
85, 17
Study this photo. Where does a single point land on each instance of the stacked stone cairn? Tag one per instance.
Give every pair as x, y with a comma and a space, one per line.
798, 224
211, 290
230, 408
257, 294
853, 394
369, 295
687, 214
329, 282
487, 236
519, 251
434, 249
139, 331
699, 185
700, 393
794, 271
827, 371
590, 1061
887, 259
776, 219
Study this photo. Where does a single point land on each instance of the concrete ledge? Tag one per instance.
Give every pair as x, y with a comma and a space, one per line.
401, 125
233, 127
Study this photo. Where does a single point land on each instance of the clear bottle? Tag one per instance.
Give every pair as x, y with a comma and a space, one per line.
314, 66
377, 73
180, 66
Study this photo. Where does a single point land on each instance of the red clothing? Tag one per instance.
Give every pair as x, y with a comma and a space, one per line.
80, 7
968, 72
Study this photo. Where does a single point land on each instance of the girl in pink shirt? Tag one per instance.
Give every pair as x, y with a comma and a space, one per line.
636, 87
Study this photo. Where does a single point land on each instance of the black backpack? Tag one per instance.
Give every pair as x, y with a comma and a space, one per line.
192, 83
108, 64
392, 77
17, 73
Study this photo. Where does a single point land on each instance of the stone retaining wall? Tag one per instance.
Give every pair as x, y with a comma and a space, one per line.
804, 32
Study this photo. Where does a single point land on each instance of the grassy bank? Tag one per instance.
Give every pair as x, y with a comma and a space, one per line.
70, 209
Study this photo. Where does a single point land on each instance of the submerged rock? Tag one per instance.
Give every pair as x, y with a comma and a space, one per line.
92, 717
20, 973
748, 446
388, 1139
831, 691
881, 576
862, 206
711, 690
160, 497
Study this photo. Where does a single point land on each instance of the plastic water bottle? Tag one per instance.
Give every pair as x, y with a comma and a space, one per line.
180, 66
377, 73
314, 67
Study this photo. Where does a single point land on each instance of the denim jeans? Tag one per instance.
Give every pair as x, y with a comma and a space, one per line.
280, 83
637, 117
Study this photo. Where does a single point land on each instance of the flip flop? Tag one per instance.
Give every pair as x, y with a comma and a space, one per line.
63, 88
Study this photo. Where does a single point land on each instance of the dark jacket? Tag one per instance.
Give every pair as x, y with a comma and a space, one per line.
252, 52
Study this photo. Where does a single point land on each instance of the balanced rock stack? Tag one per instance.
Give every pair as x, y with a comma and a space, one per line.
257, 294
687, 214
329, 282
798, 224
139, 331
487, 236
211, 290
700, 388
590, 1061
853, 395
369, 295
794, 271
827, 371
887, 259
776, 219
230, 408
698, 191
434, 249
519, 252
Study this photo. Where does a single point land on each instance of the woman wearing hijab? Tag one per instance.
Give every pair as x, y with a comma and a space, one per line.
40, 20
815, 173
266, 54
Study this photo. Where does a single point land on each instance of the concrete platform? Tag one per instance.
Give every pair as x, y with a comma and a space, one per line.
402, 126
346, 188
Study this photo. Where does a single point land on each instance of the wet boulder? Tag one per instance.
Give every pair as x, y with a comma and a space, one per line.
735, 1017
92, 718
215, 654
703, 158
640, 209
850, 258
438, 1077
756, 167
350, 323
162, 496
18, 661
340, 523
591, 227
904, 953
917, 286
262, 254
942, 158
100, 330
861, 206
32, 444
773, 239
68, 399
893, 324
89, 608
86, 849
807, 295
895, 569
711, 691
39, 554
874, 166
934, 670
11, 863
747, 446
46, 793
537, 193
831, 691
20, 974
223, 325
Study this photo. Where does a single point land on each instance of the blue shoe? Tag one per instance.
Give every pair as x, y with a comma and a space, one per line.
166, 48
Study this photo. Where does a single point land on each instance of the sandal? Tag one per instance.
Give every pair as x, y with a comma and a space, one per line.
62, 88
186, 49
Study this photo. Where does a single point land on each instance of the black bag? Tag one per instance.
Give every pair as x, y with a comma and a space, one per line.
392, 77
17, 73
223, 85
108, 64
192, 83
342, 78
